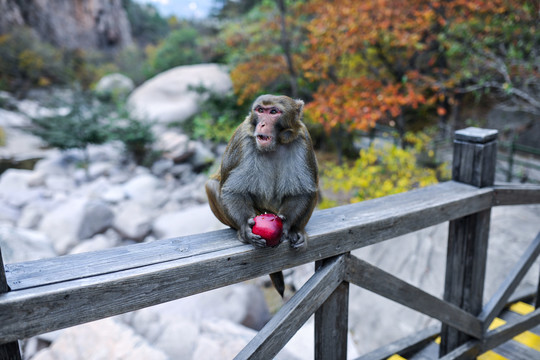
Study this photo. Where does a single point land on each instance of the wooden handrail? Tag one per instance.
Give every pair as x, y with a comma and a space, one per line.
46, 293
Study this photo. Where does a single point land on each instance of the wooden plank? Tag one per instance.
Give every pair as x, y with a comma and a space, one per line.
97, 293
506, 332
77, 266
405, 346
350, 227
513, 194
376, 280
8, 351
331, 322
500, 298
286, 322
475, 152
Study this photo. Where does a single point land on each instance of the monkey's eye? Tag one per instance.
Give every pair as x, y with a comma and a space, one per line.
260, 110
274, 111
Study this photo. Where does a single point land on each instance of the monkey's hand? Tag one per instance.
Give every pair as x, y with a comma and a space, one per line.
246, 235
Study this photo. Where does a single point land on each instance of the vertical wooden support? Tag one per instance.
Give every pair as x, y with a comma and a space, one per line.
331, 323
9, 351
474, 161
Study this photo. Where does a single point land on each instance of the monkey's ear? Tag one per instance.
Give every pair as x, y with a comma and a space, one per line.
287, 135
299, 105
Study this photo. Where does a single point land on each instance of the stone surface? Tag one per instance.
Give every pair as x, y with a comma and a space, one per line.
133, 220
73, 24
74, 220
100, 340
114, 86
186, 222
167, 97
24, 245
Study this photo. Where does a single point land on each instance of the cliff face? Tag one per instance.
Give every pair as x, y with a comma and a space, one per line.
98, 24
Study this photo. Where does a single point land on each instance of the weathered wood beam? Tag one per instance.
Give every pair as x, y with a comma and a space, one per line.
475, 152
295, 312
500, 298
10, 350
513, 194
371, 278
331, 322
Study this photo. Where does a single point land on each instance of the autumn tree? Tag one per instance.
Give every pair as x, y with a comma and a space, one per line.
267, 45
377, 60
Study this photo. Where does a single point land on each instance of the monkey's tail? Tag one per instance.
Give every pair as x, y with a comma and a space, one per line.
279, 282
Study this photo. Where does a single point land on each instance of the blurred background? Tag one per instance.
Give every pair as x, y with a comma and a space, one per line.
114, 113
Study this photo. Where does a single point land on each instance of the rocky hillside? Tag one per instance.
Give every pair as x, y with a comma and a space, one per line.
95, 24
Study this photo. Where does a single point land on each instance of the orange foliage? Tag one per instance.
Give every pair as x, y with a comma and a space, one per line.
250, 77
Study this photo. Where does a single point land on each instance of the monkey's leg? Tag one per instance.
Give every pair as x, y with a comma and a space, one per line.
216, 205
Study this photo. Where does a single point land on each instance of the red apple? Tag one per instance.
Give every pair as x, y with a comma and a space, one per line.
269, 227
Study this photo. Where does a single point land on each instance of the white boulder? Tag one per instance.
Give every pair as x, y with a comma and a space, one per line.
195, 220
100, 340
114, 85
168, 97
24, 245
75, 220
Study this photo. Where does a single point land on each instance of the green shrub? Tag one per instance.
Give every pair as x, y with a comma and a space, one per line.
26, 61
380, 172
218, 118
180, 47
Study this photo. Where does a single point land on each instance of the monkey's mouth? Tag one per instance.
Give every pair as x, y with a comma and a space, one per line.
264, 139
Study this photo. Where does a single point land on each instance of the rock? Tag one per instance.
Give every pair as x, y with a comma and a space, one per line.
74, 220
32, 213
192, 192
202, 158
9, 214
98, 242
167, 97
114, 194
14, 188
114, 86
162, 166
59, 183
19, 245
174, 326
133, 220
79, 24
10, 119
175, 146
100, 340
146, 189
197, 219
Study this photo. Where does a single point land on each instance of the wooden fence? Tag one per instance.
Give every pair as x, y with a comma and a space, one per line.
50, 294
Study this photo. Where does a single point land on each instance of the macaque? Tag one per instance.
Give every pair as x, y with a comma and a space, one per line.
269, 166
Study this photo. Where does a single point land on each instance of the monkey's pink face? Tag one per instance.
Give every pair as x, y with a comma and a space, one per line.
265, 129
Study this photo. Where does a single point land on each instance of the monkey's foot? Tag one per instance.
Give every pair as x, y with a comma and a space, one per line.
297, 240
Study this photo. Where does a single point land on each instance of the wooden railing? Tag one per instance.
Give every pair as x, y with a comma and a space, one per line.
56, 293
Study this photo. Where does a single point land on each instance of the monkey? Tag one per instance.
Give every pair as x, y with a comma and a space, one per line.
269, 166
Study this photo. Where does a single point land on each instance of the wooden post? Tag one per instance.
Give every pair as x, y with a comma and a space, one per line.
9, 351
331, 323
475, 152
